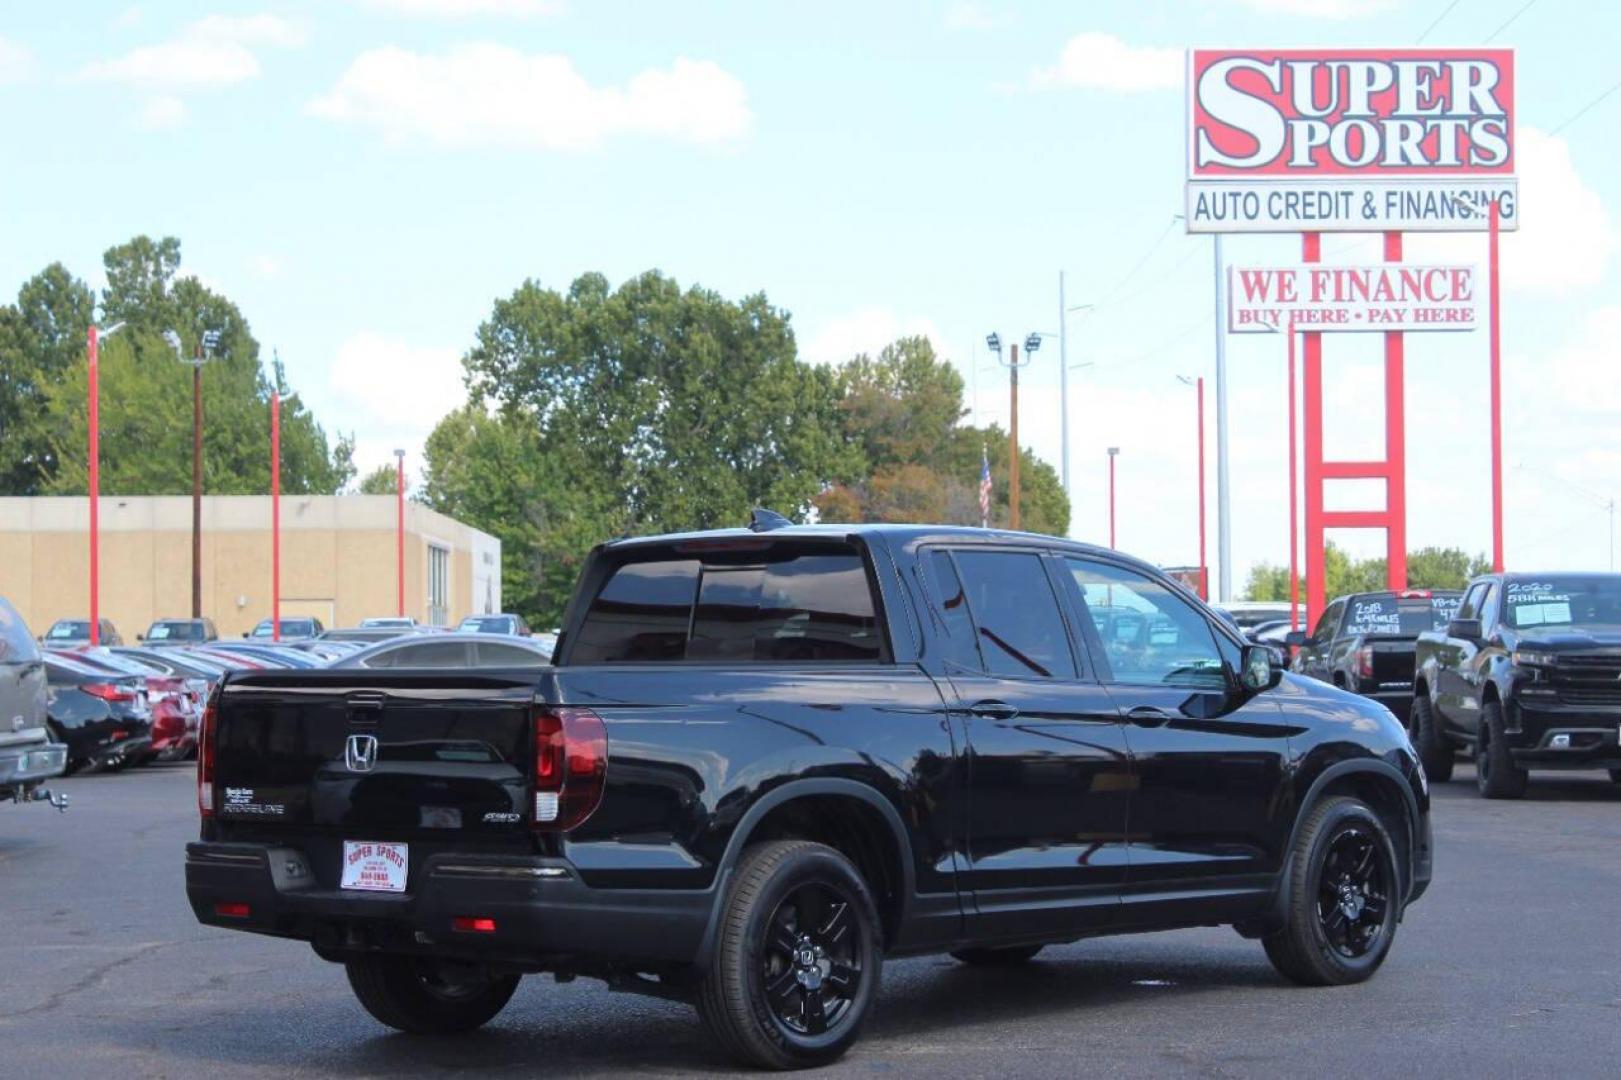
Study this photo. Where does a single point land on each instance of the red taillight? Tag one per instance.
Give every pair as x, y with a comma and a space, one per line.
108, 691
232, 911
205, 758
571, 765
464, 924
1364, 661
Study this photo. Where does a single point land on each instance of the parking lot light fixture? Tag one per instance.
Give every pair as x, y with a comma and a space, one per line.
399, 529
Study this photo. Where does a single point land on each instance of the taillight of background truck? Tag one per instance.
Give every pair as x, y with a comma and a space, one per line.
205, 757
1364, 661
571, 765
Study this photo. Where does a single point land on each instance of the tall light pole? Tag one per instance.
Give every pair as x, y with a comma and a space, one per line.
1063, 383
1114, 452
93, 400
202, 352
399, 529
1197, 382
275, 515
1224, 533
994, 343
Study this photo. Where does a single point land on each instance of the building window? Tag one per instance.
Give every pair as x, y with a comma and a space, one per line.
438, 585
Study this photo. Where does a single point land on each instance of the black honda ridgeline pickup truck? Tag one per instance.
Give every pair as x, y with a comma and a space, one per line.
766, 759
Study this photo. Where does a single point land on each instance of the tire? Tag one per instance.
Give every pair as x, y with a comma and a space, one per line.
1496, 775
1434, 750
1344, 895
423, 996
797, 957
1010, 956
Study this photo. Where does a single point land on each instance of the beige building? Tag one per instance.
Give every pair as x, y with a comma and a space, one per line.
337, 560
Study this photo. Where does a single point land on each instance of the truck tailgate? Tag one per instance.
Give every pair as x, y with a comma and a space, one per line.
374, 755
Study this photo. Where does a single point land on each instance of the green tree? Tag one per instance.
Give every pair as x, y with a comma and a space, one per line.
1427, 568
383, 480
1444, 568
42, 336
146, 396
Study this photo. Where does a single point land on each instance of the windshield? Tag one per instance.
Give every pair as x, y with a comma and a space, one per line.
68, 629
174, 631
1564, 603
289, 627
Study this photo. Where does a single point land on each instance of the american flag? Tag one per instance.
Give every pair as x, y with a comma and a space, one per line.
984, 488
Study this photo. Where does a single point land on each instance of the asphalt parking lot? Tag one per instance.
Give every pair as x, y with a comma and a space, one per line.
1511, 966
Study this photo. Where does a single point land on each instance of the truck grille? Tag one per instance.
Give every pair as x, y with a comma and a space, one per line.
1590, 695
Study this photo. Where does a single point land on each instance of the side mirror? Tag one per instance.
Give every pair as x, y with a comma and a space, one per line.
1259, 669
1465, 629
1298, 639
140, 637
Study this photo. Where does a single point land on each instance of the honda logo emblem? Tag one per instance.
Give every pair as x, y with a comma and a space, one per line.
360, 753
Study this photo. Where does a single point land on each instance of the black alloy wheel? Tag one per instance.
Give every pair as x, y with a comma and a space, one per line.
1344, 889
812, 966
1353, 894
1496, 774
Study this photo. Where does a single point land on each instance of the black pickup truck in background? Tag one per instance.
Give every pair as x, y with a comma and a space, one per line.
1527, 675
765, 759
1364, 642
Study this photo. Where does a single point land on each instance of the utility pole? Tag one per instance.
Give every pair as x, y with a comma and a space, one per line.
1114, 452
201, 354
1063, 388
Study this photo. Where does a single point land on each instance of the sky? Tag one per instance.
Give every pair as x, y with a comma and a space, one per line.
366, 177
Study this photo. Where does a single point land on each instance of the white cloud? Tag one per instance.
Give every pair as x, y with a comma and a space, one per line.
461, 9
16, 62
865, 331
392, 392
265, 266
161, 113
968, 15
493, 95
1320, 9
1584, 368
1099, 61
214, 51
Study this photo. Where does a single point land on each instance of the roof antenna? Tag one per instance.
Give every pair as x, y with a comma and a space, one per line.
763, 520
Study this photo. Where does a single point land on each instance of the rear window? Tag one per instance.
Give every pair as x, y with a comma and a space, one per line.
1404, 617
784, 605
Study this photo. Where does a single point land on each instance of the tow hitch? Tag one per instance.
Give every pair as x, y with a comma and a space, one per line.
42, 795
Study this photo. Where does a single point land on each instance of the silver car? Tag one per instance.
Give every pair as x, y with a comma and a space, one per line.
28, 754
449, 651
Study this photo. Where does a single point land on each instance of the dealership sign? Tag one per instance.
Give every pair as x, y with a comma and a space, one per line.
1335, 140
1384, 296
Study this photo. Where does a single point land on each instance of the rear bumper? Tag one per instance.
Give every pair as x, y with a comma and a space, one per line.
545, 916
21, 766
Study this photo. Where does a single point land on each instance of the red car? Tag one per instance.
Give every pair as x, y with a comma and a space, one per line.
176, 703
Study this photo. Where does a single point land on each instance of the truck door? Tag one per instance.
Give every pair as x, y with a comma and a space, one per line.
1315, 658
1207, 818
1455, 699
1049, 775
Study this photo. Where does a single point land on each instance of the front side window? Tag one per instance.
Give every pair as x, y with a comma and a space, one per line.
1015, 614
1150, 635
959, 642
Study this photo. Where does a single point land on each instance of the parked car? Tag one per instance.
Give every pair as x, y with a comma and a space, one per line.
1248, 613
365, 634
292, 629
389, 622
101, 716
1526, 675
767, 758
175, 702
29, 757
1365, 642
179, 632
505, 623
184, 663
71, 633
281, 655
449, 651
235, 660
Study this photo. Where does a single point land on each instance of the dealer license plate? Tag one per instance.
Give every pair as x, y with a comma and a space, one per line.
374, 867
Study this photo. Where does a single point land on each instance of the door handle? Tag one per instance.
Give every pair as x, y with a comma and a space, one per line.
993, 710
1147, 716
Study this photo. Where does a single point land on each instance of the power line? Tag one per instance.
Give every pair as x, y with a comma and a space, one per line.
1142, 262
1579, 113
1436, 21
1509, 20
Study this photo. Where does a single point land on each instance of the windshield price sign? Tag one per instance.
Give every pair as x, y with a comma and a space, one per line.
1344, 140
1386, 296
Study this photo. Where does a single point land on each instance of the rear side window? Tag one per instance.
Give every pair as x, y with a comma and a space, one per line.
1015, 614
16, 644
782, 605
